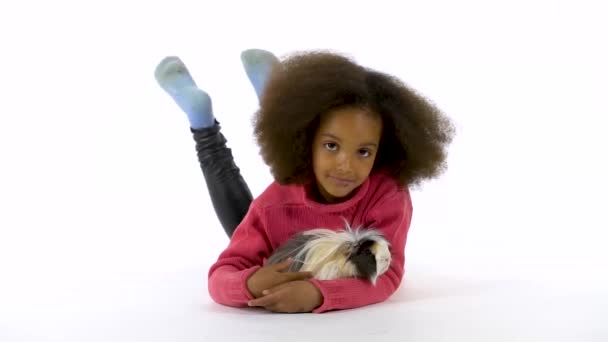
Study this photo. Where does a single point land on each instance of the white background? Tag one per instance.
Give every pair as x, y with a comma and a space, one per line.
107, 231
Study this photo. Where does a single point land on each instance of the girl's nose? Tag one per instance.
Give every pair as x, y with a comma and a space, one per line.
344, 163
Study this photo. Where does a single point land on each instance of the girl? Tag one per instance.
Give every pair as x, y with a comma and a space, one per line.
343, 142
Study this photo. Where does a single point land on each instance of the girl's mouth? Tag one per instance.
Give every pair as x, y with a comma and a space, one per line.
341, 182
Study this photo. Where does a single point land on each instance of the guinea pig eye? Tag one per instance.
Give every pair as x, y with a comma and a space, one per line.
364, 247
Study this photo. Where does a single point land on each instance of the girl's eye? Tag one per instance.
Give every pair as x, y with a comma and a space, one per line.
331, 146
364, 153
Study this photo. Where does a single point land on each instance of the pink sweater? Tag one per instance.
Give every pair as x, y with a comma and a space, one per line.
281, 211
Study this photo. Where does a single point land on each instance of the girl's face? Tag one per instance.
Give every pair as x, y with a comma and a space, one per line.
344, 149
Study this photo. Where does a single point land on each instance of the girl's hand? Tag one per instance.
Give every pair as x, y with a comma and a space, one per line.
268, 277
291, 297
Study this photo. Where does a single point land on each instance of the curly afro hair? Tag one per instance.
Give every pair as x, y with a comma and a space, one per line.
305, 85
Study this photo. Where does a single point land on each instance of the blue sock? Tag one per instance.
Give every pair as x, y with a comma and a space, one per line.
258, 65
173, 76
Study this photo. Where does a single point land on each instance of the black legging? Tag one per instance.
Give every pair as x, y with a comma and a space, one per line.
229, 193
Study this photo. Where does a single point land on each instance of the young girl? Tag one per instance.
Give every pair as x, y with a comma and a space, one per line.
342, 142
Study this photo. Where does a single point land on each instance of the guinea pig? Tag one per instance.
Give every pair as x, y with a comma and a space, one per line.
328, 254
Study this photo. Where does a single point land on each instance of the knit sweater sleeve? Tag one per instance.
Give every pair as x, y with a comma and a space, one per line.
249, 245
392, 216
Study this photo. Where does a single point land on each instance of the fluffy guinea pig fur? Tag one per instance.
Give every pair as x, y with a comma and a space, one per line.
329, 254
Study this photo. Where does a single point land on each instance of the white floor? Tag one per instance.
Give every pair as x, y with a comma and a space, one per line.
173, 306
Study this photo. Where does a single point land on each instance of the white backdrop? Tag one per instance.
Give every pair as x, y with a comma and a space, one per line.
107, 232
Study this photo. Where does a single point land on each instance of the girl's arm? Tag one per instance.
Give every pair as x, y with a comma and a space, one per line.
393, 217
244, 255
